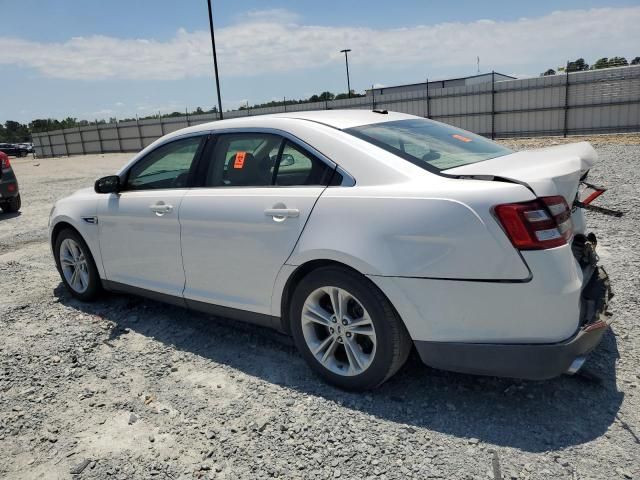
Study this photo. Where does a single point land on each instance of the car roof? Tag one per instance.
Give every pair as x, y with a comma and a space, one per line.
340, 119
307, 121
346, 118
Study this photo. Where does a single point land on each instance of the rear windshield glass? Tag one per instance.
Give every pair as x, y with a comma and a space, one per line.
428, 144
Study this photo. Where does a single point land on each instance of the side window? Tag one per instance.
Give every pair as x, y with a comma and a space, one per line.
297, 167
165, 167
243, 159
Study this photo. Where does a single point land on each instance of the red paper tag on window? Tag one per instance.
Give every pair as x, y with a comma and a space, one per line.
461, 138
239, 161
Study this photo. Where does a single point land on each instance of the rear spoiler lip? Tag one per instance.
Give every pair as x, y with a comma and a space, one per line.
491, 178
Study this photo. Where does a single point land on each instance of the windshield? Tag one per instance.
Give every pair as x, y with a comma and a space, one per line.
428, 144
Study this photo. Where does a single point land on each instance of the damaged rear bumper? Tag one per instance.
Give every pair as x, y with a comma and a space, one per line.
530, 361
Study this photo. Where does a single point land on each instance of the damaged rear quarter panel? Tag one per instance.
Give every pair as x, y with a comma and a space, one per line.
405, 230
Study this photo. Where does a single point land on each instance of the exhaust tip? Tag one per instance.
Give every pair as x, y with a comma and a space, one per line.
576, 365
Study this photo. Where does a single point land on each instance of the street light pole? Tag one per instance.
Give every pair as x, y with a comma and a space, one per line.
215, 58
346, 62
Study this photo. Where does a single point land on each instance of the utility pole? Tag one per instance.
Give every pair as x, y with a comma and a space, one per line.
346, 61
215, 58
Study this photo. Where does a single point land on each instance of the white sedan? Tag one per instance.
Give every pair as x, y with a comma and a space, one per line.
362, 234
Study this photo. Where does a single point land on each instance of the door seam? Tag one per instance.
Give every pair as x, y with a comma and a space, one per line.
184, 272
273, 287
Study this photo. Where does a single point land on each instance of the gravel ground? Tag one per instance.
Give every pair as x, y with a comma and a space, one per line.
130, 388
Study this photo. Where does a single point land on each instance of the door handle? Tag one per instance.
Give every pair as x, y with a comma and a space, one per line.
161, 208
279, 214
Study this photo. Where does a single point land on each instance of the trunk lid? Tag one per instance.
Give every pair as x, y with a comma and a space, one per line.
547, 171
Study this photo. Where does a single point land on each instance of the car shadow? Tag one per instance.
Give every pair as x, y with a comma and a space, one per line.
7, 216
531, 416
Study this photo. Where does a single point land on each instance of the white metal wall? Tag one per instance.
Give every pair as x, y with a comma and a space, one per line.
597, 101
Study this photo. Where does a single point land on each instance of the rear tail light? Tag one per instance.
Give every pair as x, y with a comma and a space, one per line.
5, 162
542, 223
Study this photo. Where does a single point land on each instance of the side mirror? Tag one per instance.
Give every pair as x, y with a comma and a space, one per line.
287, 160
109, 184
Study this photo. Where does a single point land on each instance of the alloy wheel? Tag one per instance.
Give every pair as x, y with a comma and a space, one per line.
74, 265
338, 331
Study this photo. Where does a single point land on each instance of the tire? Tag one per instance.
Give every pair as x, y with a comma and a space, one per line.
356, 361
12, 205
87, 285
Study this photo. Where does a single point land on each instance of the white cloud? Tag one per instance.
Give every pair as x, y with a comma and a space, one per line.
274, 15
274, 41
103, 112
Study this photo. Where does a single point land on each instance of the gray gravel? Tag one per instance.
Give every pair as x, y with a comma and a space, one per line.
130, 388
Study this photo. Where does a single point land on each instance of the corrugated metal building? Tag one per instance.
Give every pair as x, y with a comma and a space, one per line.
452, 82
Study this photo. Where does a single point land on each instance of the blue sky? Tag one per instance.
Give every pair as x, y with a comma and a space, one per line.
94, 59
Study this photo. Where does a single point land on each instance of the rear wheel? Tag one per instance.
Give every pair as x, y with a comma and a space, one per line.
76, 266
12, 205
347, 330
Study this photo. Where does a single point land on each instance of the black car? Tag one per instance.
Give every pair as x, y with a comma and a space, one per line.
14, 150
27, 146
9, 193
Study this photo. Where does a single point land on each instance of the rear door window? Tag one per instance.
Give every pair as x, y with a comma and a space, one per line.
297, 167
262, 160
243, 160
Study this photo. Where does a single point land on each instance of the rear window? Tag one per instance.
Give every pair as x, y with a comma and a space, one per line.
428, 144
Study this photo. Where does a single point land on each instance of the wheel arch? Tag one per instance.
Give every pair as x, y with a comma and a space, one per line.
58, 227
64, 224
300, 272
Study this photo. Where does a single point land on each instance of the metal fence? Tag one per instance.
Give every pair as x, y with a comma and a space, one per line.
598, 101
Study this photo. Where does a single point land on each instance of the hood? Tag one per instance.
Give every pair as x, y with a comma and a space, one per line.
547, 171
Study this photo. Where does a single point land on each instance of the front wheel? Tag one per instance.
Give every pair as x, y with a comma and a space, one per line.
346, 329
76, 266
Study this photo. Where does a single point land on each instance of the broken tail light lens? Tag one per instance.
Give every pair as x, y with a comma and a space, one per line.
536, 225
4, 161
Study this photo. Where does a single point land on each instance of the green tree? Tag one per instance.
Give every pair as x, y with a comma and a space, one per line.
618, 62
577, 66
324, 96
14, 132
551, 71
38, 125
605, 62
601, 63
341, 96
635, 61
69, 122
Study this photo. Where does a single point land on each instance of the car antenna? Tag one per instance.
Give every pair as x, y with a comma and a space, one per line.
377, 110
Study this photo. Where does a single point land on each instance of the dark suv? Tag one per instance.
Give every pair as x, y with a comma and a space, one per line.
9, 192
14, 150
